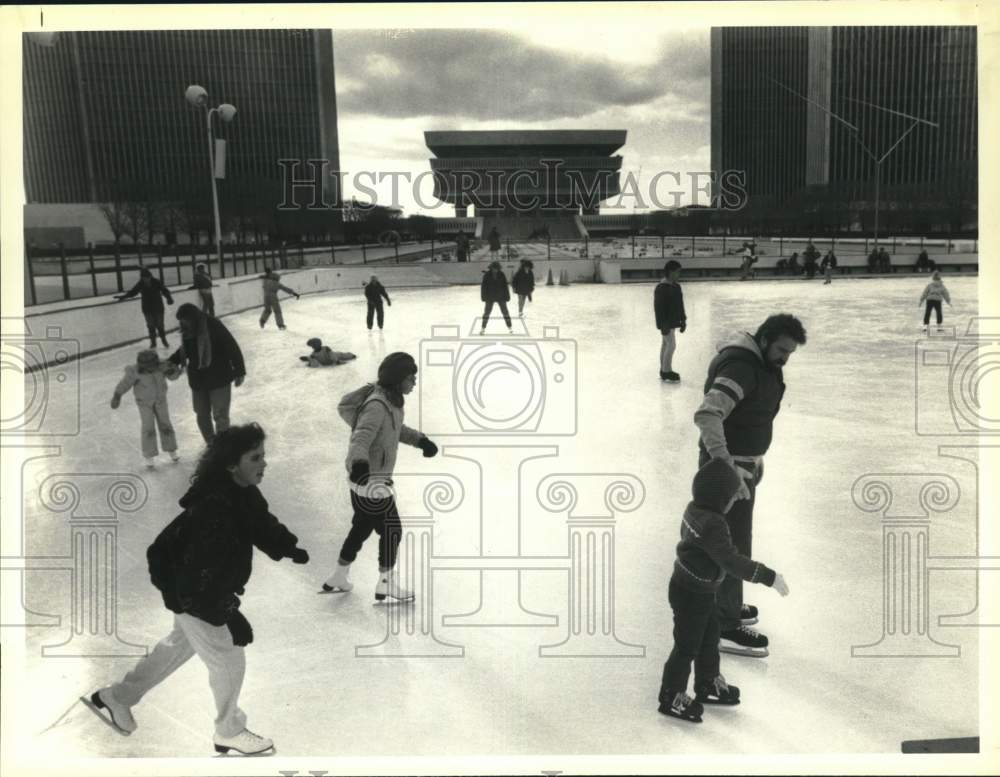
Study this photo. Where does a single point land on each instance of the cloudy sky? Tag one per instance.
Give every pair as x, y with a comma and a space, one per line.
392, 85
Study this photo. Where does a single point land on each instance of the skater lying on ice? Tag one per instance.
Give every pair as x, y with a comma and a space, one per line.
322, 356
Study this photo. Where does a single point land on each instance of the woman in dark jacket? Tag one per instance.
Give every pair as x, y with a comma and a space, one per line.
200, 563
152, 292
494, 290
214, 364
524, 284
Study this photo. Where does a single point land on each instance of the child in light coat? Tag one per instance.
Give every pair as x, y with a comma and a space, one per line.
147, 378
933, 294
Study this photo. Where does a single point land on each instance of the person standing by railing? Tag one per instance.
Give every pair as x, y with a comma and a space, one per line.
152, 291
203, 284
462, 246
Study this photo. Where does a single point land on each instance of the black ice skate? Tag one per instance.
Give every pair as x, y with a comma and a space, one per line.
683, 707
672, 377
717, 691
743, 641
748, 615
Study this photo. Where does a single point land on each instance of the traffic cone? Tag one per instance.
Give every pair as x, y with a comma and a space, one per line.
550, 282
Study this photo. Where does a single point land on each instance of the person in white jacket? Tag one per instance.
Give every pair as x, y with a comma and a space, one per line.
371, 459
933, 294
147, 379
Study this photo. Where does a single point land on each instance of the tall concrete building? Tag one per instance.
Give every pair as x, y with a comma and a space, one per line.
106, 109
773, 88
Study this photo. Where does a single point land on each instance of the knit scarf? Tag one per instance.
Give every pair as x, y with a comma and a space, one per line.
204, 344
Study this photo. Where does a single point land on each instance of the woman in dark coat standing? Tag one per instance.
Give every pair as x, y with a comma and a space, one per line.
524, 284
494, 240
214, 364
151, 291
494, 290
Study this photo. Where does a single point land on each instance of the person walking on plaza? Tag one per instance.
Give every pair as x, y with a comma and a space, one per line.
494, 290
375, 413
374, 292
148, 378
152, 292
524, 284
462, 247
214, 364
203, 284
705, 556
272, 285
668, 307
494, 241
932, 296
743, 393
201, 563
828, 265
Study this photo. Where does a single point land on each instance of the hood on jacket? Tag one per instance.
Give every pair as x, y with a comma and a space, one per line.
742, 340
714, 485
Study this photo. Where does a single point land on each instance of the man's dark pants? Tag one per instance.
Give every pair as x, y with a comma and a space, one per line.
740, 519
375, 308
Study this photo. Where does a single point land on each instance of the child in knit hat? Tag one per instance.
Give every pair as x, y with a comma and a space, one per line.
933, 294
147, 378
323, 356
377, 429
705, 555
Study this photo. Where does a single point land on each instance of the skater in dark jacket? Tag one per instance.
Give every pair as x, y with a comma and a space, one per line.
494, 290
705, 556
214, 364
374, 292
524, 284
494, 241
203, 284
151, 291
462, 247
743, 393
668, 306
201, 563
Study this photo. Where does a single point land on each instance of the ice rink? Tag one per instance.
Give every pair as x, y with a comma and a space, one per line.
849, 411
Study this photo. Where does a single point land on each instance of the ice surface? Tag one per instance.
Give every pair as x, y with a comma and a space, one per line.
849, 410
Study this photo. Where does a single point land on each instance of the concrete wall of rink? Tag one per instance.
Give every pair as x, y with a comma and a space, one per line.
98, 324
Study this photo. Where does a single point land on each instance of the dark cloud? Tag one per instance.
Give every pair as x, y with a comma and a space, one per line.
487, 75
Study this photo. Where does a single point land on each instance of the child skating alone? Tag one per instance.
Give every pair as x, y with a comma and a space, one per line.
933, 294
147, 378
324, 356
668, 306
705, 555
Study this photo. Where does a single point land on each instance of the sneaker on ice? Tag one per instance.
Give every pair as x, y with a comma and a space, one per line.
246, 742
684, 707
748, 615
389, 586
121, 715
743, 641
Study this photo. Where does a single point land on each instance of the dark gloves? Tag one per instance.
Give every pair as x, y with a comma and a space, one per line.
240, 628
684, 326
359, 473
430, 449
299, 556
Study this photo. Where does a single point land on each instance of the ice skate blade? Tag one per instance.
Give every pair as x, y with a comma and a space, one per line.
749, 621
386, 601
748, 652
105, 719
664, 710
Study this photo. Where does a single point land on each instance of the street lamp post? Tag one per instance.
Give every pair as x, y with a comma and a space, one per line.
198, 96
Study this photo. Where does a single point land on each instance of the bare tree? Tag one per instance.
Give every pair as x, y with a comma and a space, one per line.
114, 214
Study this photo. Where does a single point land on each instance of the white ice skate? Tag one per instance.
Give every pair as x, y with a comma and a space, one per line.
389, 586
246, 742
150, 462
121, 715
175, 456
338, 583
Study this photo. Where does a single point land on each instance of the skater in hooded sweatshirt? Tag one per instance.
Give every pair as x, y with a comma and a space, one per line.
933, 294
376, 413
705, 556
271, 282
151, 291
324, 356
200, 563
148, 378
743, 394
668, 306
